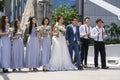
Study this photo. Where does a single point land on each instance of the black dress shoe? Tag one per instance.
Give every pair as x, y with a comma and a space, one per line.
14, 70
35, 69
5, 71
85, 66
105, 67
80, 68
97, 67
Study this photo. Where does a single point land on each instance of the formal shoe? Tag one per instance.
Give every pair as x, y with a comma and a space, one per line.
85, 66
30, 69
19, 69
80, 68
5, 71
14, 70
105, 67
35, 69
45, 68
97, 67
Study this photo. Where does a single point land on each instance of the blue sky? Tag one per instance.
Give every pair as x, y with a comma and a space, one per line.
62, 2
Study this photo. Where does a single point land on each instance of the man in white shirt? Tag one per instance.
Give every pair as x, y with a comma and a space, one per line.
78, 25
85, 31
98, 34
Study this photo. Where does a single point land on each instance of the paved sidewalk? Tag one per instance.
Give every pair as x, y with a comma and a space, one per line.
88, 74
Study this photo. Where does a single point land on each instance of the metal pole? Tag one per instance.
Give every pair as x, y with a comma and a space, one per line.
82, 3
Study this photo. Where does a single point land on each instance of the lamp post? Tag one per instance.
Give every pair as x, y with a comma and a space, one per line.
82, 10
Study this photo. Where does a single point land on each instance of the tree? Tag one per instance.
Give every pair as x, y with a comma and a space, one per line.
2, 5
114, 31
67, 13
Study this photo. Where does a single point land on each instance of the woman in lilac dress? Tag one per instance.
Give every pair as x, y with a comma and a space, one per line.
5, 44
46, 42
32, 47
17, 48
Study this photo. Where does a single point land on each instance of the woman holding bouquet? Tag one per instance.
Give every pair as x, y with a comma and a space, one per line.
5, 44
17, 48
46, 41
60, 58
32, 48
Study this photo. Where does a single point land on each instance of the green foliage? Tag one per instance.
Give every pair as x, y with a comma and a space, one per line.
114, 33
26, 34
2, 5
67, 13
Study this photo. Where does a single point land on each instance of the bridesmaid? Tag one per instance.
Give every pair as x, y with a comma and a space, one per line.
17, 48
46, 42
5, 44
32, 47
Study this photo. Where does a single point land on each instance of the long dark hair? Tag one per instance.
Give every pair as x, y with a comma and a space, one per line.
59, 17
31, 24
15, 26
44, 21
3, 23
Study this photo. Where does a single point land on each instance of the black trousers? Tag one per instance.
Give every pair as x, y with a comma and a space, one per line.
99, 47
84, 50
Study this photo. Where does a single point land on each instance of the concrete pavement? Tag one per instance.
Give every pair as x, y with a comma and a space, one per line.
87, 74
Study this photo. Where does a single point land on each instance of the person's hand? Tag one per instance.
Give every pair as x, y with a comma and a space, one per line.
104, 33
68, 43
98, 33
88, 34
78, 42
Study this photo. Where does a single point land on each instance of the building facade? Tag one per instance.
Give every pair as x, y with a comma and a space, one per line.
108, 10
14, 9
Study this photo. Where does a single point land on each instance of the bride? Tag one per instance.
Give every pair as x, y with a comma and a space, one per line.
60, 58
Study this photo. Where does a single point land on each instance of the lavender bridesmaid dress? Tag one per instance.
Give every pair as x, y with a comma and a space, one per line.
32, 51
17, 53
46, 48
5, 50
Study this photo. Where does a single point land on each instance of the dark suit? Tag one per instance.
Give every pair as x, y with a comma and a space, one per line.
73, 39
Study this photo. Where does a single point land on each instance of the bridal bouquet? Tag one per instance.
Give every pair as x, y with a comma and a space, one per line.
47, 28
38, 29
11, 30
62, 29
19, 33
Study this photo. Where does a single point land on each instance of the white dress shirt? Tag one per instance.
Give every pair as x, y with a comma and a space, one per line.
96, 36
84, 29
74, 29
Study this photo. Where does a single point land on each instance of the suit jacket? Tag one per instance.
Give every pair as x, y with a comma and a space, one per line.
70, 36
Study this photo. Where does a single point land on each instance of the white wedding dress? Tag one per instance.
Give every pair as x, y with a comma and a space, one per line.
60, 58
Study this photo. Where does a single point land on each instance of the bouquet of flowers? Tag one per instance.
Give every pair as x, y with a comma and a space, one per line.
11, 30
47, 28
19, 33
38, 29
62, 29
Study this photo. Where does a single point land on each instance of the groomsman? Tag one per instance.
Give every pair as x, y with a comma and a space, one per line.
85, 31
78, 24
98, 33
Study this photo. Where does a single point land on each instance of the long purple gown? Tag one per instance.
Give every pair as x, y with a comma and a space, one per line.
5, 50
17, 53
46, 48
32, 51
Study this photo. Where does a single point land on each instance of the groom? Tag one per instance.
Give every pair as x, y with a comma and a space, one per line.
73, 41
